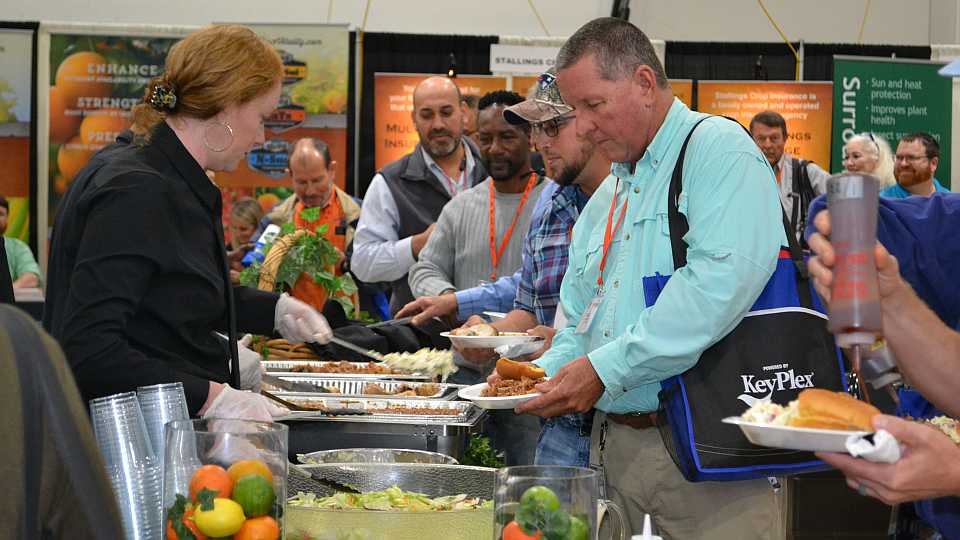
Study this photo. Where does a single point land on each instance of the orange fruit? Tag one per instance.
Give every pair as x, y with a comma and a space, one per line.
212, 477
100, 128
62, 127
78, 74
259, 528
268, 201
249, 466
72, 157
188, 521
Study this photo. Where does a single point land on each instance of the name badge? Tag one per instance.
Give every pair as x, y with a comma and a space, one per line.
588, 314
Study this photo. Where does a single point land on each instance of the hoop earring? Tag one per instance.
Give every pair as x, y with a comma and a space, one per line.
227, 130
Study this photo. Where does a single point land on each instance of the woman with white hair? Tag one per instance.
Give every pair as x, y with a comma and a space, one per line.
869, 153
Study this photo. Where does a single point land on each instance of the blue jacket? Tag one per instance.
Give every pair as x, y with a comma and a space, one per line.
921, 233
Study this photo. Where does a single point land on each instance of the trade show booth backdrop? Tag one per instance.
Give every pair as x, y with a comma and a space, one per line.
74, 88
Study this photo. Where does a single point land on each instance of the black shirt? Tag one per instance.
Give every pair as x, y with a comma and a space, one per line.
137, 280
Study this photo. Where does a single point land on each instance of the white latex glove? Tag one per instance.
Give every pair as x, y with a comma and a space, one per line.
241, 405
251, 369
298, 322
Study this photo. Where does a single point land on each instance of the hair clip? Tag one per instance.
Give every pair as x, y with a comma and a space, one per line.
163, 98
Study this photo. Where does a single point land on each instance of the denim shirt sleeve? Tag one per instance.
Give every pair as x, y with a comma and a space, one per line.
734, 214
496, 296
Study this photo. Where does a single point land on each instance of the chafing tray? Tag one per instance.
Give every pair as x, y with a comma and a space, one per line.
354, 387
464, 409
310, 432
285, 368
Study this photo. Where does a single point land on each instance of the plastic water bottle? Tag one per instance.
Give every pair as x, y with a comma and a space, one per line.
256, 254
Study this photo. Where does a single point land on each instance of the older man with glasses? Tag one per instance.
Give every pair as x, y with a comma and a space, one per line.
915, 163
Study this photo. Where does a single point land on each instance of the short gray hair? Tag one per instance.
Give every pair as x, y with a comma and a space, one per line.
620, 48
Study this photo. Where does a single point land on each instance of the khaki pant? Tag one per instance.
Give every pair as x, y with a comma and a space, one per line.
642, 478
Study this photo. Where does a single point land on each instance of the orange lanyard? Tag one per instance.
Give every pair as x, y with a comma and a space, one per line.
495, 253
609, 233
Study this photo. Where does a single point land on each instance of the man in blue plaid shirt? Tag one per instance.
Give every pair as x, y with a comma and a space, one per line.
533, 292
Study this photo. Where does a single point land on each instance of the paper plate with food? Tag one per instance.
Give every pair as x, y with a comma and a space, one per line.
484, 336
516, 385
817, 421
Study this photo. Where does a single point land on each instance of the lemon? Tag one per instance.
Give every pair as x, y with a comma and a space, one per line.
225, 519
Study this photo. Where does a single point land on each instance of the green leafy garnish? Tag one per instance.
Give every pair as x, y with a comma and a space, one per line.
392, 498
205, 498
175, 515
310, 214
311, 254
480, 453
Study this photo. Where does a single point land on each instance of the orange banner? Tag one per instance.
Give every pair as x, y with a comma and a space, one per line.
394, 132
683, 89
806, 106
523, 84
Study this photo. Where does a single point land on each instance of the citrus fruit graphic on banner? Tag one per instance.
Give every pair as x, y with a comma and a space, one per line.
94, 83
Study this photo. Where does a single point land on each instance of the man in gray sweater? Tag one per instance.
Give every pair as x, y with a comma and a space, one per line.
466, 249
478, 238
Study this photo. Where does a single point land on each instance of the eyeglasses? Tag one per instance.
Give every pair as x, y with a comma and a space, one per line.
551, 128
901, 157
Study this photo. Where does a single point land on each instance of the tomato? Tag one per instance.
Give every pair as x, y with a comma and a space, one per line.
259, 528
579, 530
224, 519
513, 531
188, 521
540, 497
212, 477
249, 466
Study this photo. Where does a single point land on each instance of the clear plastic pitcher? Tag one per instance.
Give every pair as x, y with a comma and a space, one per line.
552, 502
239, 460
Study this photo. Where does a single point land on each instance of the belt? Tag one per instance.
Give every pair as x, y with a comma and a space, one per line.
643, 420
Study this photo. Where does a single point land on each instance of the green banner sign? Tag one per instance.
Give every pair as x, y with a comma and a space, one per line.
891, 98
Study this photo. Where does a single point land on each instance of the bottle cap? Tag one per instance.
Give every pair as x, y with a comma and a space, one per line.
845, 341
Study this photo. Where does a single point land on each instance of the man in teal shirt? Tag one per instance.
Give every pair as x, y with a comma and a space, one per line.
915, 163
615, 349
24, 269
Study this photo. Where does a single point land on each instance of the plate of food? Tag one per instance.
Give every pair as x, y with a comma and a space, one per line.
484, 336
516, 385
817, 421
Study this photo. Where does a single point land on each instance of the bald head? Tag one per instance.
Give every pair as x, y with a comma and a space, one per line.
435, 86
312, 171
438, 115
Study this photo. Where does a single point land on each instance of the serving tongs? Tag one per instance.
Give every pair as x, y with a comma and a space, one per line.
326, 482
320, 409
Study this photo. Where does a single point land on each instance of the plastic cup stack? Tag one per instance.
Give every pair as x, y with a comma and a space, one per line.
160, 404
132, 465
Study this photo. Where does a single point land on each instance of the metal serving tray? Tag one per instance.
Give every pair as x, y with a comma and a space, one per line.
284, 368
465, 409
354, 387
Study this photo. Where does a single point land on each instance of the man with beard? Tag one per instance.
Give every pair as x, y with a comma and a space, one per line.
915, 163
406, 197
314, 186
577, 171
467, 248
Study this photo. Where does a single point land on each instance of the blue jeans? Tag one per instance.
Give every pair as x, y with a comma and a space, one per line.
565, 440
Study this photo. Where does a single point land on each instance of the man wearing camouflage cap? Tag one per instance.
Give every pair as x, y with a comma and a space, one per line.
533, 291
